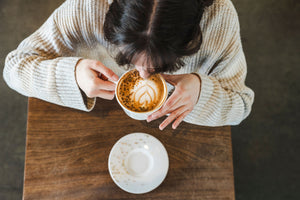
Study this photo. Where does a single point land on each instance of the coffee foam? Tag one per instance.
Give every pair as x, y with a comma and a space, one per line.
145, 92
140, 94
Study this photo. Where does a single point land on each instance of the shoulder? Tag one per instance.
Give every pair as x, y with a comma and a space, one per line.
88, 6
222, 8
223, 5
221, 15
82, 11
220, 31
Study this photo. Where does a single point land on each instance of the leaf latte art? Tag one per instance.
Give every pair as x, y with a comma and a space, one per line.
145, 93
138, 94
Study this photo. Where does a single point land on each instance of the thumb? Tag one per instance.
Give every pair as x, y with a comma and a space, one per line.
105, 72
172, 79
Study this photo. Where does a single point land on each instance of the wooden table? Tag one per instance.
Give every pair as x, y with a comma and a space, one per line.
67, 155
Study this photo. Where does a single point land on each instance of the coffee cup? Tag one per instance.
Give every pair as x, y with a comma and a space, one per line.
140, 97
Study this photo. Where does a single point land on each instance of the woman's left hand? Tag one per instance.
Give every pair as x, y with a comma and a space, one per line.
181, 102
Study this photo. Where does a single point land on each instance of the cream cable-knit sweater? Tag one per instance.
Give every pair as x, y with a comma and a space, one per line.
43, 65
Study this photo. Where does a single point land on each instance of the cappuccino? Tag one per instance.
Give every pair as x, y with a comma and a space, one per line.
141, 95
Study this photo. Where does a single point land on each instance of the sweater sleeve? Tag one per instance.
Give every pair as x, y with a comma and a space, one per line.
42, 65
224, 97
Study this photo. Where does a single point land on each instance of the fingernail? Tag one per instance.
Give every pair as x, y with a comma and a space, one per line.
152, 116
149, 118
161, 128
115, 77
174, 126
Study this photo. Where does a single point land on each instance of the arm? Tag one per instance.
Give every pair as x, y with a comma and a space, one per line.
219, 97
41, 66
224, 97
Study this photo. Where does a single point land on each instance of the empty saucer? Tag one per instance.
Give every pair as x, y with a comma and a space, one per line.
138, 163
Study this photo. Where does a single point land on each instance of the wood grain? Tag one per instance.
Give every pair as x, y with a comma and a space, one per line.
67, 155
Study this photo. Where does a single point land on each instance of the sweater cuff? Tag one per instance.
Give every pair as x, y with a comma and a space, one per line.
206, 91
207, 88
67, 88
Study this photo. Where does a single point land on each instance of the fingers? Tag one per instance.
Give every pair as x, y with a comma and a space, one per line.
174, 115
180, 119
101, 88
109, 95
172, 79
104, 85
104, 94
95, 79
108, 73
181, 102
172, 103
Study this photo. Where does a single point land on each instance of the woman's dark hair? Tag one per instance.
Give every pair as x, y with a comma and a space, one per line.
162, 30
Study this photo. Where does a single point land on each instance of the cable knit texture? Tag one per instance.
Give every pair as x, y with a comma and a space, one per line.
43, 65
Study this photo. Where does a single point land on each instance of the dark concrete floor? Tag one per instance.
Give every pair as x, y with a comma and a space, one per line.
265, 146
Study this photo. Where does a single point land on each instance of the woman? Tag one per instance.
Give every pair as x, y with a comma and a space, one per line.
197, 42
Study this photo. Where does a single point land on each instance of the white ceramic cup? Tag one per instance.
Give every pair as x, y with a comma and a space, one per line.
141, 115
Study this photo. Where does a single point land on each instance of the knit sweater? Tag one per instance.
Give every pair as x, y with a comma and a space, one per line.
43, 65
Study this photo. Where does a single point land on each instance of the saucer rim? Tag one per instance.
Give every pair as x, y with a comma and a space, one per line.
166, 168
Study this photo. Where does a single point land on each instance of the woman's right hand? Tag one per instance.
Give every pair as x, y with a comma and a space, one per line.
87, 76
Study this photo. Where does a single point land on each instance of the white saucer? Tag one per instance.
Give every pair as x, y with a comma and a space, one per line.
138, 163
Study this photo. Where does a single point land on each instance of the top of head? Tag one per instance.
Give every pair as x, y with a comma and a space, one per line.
165, 31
